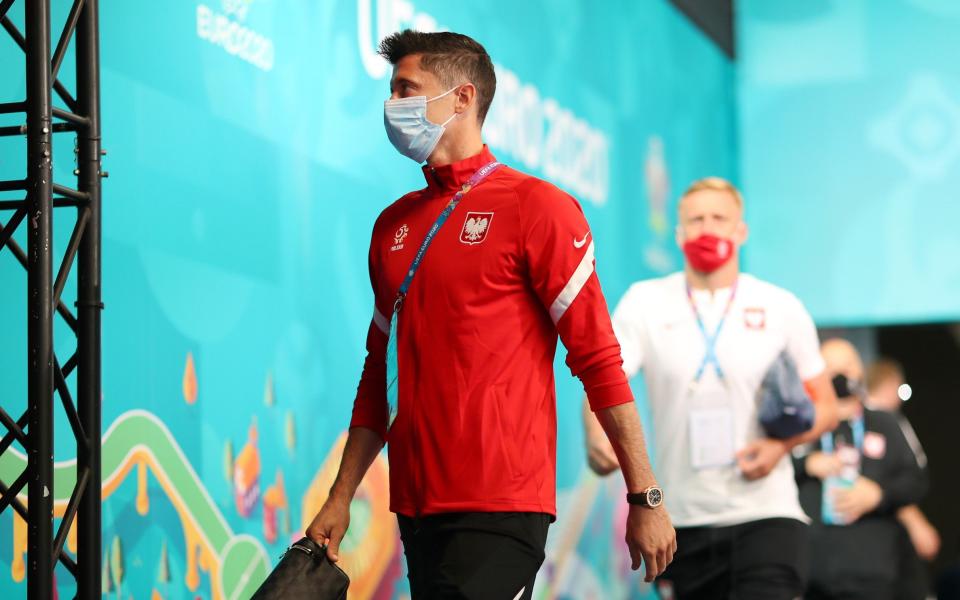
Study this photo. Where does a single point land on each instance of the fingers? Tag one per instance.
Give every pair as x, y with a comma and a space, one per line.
850, 516
656, 561
666, 554
847, 506
752, 469
328, 537
747, 451
315, 534
653, 567
661, 562
755, 467
748, 458
846, 509
844, 501
333, 545
635, 556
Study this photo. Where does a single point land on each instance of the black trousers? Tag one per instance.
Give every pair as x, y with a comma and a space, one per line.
760, 560
912, 582
861, 561
488, 556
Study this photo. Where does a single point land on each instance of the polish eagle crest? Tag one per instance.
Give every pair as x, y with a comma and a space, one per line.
475, 227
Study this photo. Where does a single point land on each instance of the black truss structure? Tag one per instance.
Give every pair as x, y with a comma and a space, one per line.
46, 375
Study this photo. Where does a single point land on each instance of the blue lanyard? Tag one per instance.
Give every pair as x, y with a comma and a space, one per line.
826, 440
391, 357
474, 181
829, 514
710, 341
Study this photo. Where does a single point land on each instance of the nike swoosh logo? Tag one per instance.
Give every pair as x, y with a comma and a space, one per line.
579, 243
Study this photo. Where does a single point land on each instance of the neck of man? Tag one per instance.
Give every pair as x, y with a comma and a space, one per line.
723, 277
455, 146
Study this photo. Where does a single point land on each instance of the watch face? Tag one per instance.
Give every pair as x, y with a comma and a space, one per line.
654, 497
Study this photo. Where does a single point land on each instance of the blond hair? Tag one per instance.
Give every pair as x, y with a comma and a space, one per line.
881, 371
718, 184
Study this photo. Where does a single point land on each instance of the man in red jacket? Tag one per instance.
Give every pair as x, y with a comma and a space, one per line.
472, 432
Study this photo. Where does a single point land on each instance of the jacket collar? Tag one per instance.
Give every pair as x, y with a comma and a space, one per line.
454, 175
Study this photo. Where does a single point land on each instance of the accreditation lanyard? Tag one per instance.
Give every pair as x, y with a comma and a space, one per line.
710, 341
826, 440
392, 364
846, 478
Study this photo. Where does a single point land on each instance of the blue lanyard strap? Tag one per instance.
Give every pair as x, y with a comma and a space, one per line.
826, 440
710, 341
474, 181
391, 357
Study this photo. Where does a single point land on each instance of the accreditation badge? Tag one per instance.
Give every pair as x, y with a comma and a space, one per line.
711, 427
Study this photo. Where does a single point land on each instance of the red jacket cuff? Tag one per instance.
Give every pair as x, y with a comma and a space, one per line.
607, 388
375, 423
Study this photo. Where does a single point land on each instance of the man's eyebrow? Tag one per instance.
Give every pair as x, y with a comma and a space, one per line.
401, 80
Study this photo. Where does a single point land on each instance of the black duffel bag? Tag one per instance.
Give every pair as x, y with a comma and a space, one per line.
304, 573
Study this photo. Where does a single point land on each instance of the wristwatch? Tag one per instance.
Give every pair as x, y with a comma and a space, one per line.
651, 497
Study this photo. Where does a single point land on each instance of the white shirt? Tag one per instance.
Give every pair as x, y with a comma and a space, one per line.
658, 332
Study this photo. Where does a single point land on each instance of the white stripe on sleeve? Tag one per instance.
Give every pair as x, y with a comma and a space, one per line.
570, 291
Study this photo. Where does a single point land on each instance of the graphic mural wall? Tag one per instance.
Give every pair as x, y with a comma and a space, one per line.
247, 164
849, 116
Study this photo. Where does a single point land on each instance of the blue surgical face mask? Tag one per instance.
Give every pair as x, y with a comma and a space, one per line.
409, 130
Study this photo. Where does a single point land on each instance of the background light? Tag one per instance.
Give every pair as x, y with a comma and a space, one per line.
905, 392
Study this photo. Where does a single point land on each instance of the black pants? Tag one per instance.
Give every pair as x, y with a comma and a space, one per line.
912, 582
762, 560
488, 556
861, 561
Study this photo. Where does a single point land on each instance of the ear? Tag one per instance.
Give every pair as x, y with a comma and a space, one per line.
679, 237
741, 233
465, 97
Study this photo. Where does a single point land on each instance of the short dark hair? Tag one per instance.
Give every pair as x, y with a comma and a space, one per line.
453, 57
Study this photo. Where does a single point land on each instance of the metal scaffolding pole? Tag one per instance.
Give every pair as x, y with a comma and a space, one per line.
89, 301
34, 430
39, 303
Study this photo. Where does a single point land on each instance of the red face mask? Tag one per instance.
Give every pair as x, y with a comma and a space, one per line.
708, 252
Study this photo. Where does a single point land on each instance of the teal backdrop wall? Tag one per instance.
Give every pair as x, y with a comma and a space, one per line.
247, 164
849, 129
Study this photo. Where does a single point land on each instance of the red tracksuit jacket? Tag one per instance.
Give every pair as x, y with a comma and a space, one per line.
512, 267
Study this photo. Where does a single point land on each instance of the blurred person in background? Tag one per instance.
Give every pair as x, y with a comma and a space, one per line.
705, 339
853, 481
887, 390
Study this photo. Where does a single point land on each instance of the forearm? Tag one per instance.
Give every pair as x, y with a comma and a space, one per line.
361, 450
911, 517
591, 425
622, 426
